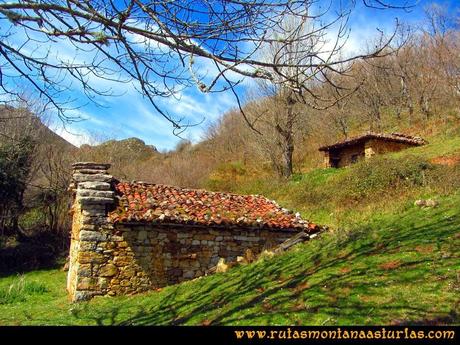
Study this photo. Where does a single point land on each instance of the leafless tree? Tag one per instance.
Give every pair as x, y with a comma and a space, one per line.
304, 61
441, 40
159, 46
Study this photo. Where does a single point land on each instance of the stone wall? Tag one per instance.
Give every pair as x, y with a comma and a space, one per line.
375, 146
108, 259
345, 155
93, 198
362, 150
152, 256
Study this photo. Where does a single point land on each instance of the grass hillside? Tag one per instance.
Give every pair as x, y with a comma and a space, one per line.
342, 197
384, 261
392, 269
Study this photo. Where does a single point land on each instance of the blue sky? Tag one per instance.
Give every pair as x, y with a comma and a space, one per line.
127, 114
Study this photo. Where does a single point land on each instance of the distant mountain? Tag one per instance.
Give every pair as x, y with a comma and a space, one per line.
134, 145
126, 150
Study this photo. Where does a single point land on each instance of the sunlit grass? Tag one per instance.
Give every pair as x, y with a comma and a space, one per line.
394, 268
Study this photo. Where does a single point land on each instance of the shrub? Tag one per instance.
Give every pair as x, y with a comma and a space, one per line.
15, 165
32, 219
445, 179
383, 175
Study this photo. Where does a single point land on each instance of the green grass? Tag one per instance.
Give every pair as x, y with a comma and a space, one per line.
19, 290
384, 260
396, 267
342, 197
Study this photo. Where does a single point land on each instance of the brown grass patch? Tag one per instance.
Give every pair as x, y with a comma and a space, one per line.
301, 287
390, 265
346, 291
424, 249
345, 270
267, 306
298, 307
446, 160
365, 299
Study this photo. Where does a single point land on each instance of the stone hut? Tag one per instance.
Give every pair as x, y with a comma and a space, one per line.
129, 237
350, 151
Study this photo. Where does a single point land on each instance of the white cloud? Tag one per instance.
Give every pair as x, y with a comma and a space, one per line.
74, 137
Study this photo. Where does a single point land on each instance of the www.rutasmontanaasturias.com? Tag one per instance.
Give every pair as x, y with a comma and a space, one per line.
339, 333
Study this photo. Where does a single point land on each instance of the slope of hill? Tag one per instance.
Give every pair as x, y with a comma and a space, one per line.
19, 119
392, 269
385, 260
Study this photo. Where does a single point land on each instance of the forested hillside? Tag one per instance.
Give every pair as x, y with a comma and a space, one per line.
413, 90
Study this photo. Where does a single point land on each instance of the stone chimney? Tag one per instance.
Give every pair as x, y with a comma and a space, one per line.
92, 198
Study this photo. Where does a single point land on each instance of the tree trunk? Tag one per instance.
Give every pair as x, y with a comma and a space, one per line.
287, 160
287, 134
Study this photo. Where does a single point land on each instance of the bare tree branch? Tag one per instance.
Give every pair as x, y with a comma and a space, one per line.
152, 44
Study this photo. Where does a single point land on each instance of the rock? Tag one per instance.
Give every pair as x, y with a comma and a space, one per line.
142, 235
95, 193
125, 283
88, 227
249, 256
87, 246
90, 257
88, 200
103, 283
84, 270
86, 235
90, 165
420, 203
426, 203
188, 274
221, 266
122, 244
122, 261
431, 203
82, 296
175, 272
89, 171
85, 283
116, 238
92, 178
266, 254
129, 273
108, 270
94, 185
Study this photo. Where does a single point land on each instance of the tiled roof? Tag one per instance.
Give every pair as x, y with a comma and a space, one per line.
395, 137
154, 203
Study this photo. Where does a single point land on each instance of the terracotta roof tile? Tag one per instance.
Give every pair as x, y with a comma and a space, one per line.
395, 137
155, 203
